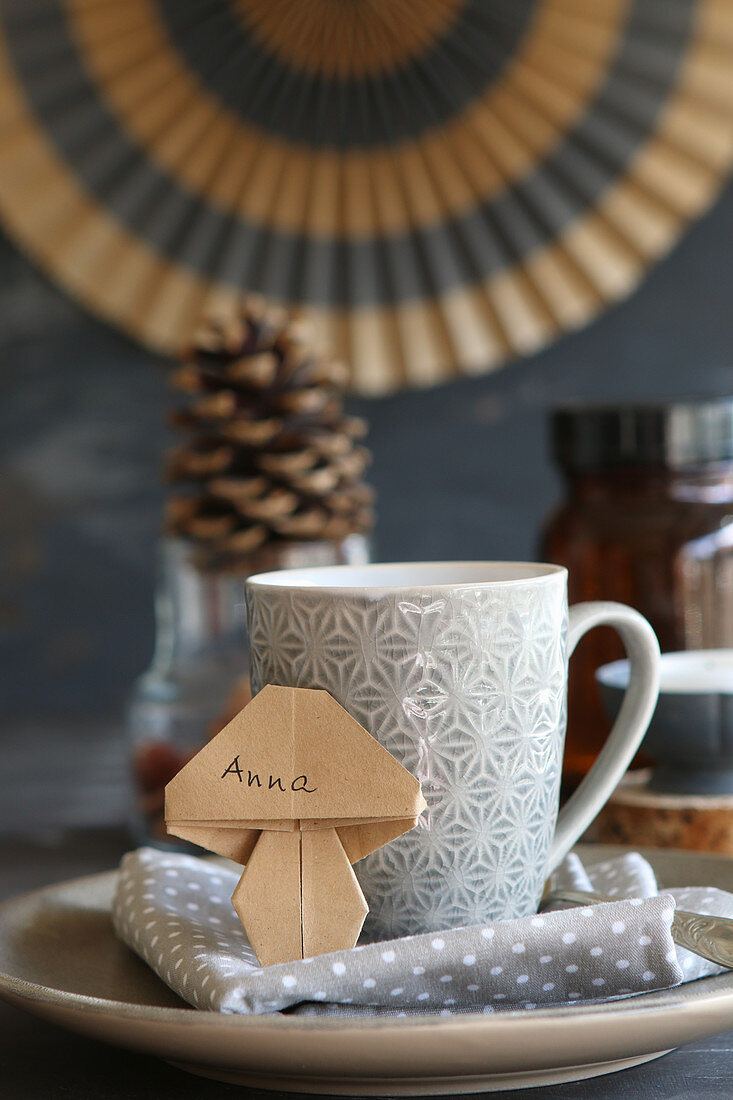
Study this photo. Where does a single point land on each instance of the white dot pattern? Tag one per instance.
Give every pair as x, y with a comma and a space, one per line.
174, 912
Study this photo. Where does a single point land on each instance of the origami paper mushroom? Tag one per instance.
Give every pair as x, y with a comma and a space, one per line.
294, 788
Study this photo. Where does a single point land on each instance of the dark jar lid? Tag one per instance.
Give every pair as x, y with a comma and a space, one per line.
592, 437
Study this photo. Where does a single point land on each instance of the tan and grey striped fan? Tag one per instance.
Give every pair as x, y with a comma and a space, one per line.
440, 184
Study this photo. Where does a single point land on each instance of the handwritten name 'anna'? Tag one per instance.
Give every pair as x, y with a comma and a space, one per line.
300, 783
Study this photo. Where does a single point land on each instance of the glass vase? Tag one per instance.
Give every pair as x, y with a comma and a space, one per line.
198, 678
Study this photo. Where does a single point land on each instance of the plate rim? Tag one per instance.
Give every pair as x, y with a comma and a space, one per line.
699, 992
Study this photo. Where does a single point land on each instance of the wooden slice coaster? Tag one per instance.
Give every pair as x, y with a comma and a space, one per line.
635, 815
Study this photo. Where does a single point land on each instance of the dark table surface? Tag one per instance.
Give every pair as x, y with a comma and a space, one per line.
41, 1062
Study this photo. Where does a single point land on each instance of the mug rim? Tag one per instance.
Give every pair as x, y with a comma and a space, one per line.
319, 579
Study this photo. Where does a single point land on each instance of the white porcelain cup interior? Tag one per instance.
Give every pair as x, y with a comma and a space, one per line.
407, 575
687, 672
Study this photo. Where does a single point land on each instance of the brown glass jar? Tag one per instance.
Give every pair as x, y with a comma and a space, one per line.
648, 520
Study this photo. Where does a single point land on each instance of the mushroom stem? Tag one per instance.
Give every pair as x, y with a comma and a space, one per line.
299, 896
267, 898
333, 905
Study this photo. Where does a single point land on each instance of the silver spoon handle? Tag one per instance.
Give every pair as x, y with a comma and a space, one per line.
710, 937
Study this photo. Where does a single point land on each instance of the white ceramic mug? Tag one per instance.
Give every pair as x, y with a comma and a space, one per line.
460, 670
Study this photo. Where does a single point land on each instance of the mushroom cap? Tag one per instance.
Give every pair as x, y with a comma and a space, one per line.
293, 758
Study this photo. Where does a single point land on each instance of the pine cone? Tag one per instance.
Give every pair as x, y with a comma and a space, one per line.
269, 454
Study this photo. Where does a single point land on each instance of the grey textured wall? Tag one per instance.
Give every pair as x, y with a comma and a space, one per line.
461, 471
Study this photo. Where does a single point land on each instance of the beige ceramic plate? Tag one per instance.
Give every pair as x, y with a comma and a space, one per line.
59, 959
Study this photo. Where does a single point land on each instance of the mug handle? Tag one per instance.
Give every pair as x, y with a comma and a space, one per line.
640, 699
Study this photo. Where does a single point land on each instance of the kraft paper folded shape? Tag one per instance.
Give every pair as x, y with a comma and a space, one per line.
297, 790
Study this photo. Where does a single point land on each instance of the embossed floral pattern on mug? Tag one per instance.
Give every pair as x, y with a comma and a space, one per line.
466, 686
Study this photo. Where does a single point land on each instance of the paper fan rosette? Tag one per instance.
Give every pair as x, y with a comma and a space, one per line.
439, 185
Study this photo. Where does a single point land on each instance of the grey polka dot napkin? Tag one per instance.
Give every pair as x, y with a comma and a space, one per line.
174, 911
